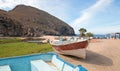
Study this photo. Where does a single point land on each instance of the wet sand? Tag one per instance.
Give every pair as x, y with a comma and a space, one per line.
102, 55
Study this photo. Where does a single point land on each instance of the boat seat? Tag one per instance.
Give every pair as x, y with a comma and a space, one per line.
5, 68
61, 65
40, 65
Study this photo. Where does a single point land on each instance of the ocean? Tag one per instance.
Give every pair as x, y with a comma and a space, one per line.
105, 36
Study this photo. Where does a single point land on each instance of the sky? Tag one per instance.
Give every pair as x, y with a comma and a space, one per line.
97, 16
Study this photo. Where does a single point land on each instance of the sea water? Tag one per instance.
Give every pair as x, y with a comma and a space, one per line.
105, 36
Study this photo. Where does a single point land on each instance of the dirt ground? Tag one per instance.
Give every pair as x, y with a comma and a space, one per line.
102, 55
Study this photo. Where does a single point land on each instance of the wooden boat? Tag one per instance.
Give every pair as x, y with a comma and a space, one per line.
55, 64
76, 47
38, 62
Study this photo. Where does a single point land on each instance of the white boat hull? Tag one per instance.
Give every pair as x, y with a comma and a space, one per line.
81, 53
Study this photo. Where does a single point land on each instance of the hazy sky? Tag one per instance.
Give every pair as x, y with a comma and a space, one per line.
97, 16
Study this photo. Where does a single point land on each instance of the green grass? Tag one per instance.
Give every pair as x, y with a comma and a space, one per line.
17, 48
9, 40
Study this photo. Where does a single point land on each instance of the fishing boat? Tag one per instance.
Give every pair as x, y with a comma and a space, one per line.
71, 47
38, 62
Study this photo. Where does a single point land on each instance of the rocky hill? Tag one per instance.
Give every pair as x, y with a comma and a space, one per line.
29, 21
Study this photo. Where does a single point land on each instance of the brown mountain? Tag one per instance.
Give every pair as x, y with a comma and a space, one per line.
29, 21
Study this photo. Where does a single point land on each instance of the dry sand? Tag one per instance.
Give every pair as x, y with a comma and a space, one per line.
102, 55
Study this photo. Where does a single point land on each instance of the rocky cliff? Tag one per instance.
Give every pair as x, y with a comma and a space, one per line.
29, 21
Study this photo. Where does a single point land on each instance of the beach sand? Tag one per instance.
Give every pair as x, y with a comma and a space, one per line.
102, 55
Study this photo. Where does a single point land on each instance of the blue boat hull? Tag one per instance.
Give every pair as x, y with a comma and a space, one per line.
23, 63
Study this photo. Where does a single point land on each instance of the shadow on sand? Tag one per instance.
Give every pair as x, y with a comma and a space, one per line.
95, 58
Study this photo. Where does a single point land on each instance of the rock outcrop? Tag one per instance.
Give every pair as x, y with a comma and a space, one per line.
29, 21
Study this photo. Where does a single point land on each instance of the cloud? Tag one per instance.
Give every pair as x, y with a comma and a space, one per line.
88, 13
6, 3
12, 3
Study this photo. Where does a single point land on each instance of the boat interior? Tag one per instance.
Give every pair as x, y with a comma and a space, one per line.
38, 62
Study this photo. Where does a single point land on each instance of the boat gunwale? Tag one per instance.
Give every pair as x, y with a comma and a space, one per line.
29, 55
68, 43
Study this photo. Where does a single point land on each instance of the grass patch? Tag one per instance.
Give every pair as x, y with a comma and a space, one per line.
17, 48
9, 40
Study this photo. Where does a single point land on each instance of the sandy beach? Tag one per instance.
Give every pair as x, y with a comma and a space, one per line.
102, 55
